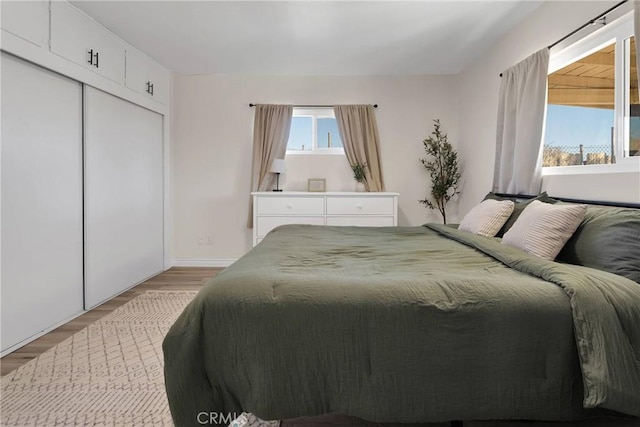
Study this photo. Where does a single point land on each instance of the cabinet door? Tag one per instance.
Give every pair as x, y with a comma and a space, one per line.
123, 195
27, 19
147, 77
78, 38
41, 200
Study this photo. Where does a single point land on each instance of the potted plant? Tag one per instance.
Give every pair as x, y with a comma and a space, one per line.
443, 169
360, 175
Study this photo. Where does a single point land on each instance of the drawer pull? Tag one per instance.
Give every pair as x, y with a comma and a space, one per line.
289, 206
359, 207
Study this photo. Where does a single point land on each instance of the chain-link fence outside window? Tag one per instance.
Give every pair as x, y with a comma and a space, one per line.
577, 155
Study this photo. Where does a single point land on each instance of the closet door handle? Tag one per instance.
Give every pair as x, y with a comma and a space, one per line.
90, 60
96, 57
151, 89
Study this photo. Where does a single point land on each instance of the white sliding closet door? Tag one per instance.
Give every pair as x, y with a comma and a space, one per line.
41, 200
123, 195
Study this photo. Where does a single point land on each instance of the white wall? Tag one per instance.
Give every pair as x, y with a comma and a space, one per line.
477, 96
211, 149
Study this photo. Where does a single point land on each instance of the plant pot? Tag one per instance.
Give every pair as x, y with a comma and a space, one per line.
360, 187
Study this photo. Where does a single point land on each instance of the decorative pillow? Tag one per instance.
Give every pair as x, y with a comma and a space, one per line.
608, 239
543, 229
518, 208
487, 218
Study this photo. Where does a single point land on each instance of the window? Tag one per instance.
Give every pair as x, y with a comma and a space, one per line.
593, 109
314, 130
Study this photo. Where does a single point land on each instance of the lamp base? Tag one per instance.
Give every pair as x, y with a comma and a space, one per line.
277, 182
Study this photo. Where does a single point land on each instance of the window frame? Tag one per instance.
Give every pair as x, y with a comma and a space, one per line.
315, 113
615, 32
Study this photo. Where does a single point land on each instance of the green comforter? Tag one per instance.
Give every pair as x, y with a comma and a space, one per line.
403, 324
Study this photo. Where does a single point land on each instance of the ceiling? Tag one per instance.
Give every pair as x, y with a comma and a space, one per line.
311, 37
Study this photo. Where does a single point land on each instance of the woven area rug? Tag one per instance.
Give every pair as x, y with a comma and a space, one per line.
108, 374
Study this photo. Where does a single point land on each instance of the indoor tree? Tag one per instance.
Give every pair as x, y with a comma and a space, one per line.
442, 165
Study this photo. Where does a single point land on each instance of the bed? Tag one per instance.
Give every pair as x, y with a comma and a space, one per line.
406, 325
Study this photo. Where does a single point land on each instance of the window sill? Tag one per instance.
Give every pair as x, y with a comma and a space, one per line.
625, 166
329, 151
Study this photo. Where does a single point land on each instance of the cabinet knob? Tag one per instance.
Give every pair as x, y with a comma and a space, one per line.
289, 206
359, 206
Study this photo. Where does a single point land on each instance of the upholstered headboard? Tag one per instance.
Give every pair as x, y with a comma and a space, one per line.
586, 202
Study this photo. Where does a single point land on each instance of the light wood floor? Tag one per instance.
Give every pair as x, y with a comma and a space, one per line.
175, 279
183, 278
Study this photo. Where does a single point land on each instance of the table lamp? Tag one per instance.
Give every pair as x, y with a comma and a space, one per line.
277, 167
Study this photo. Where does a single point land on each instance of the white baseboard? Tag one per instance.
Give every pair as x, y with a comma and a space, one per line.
202, 262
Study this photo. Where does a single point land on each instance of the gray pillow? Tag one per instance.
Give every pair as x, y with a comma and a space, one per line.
518, 208
607, 239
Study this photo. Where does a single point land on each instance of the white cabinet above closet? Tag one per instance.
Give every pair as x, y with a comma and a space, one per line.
78, 38
62, 38
145, 76
28, 20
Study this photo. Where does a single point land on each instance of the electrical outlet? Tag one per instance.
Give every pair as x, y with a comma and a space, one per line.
209, 239
201, 239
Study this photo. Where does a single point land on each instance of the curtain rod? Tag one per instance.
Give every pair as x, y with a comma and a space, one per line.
603, 15
313, 106
592, 22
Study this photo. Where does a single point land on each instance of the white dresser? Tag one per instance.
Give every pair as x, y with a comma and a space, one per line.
272, 209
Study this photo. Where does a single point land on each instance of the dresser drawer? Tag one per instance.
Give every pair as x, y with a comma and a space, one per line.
290, 205
360, 206
361, 221
267, 223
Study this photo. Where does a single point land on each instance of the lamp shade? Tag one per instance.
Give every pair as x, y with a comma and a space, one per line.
277, 166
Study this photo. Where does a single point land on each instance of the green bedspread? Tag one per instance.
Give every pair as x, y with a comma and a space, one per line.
403, 324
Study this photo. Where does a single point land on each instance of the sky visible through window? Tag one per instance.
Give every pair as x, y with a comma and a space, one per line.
300, 134
566, 126
326, 126
569, 126
301, 137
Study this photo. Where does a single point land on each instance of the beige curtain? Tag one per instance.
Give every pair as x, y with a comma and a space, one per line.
636, 31
359, 133
271, 126
521, 114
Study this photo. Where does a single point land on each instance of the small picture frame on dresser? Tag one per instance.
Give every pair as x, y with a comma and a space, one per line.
317, 185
